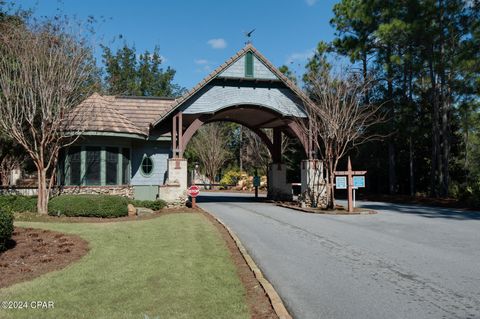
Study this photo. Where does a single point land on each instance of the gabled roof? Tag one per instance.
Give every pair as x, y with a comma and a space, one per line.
119, 114
226, 65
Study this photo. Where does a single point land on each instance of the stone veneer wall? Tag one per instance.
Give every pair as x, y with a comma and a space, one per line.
119, 190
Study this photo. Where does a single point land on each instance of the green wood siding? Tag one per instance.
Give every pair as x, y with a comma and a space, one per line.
249, 64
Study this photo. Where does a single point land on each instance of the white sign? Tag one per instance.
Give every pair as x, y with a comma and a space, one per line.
341, 182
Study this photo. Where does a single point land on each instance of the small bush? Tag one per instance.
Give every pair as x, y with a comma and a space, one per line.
18, 203
469, 194
6, 227
152, 204
231, 178
88, 206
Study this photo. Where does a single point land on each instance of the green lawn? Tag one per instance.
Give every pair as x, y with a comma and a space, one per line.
174, 266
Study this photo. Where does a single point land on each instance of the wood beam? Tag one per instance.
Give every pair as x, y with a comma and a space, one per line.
174, 136
180, 135
295, 127
277, 145
267, 122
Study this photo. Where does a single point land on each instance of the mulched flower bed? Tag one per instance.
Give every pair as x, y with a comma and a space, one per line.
257, 300
33, 252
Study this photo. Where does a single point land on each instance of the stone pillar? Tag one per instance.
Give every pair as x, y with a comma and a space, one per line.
278, 188
175, 189
314, 187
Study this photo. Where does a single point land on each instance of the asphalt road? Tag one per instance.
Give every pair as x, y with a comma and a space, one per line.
404, 262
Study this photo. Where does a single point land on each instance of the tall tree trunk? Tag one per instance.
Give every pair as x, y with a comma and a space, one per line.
411, 167
42, 198
331, 177
445, 150
444, 107
392, 175
365, 76
465, 163
435, 131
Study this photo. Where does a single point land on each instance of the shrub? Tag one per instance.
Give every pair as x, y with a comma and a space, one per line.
469, 194
6, 227
152, 204
88, 206
18, 203
231, 178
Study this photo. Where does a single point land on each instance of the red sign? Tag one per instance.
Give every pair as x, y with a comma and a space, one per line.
193, 191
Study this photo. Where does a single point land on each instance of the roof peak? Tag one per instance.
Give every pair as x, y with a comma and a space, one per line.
248, 47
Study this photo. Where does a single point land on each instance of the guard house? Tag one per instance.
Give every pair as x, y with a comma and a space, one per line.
133, 146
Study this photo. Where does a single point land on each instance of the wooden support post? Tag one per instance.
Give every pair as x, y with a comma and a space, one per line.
350, 173
180, 135
174, 136
277, 145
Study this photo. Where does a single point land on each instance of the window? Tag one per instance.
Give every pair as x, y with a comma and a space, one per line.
74, 167
92, 172
249, 64
126, 166
147, 165
111, 165
89, 165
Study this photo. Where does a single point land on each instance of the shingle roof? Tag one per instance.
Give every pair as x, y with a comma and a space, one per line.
118, 114
134, 115
224, 66
142, 111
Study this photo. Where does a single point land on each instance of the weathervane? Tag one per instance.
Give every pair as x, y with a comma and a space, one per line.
249, 35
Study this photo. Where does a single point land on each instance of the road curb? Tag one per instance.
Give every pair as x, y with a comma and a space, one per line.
273, 296
309, 211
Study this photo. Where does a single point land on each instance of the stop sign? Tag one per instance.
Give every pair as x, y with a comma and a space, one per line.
193, 191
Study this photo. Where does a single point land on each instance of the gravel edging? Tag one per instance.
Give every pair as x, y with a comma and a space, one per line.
276, 301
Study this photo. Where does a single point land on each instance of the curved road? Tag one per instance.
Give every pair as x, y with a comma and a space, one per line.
404, 262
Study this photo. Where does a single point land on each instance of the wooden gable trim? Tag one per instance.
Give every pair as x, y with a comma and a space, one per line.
249, 47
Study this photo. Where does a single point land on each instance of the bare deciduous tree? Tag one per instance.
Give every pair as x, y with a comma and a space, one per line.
7, 165
210, 147
44, 69
255, 153
339, 119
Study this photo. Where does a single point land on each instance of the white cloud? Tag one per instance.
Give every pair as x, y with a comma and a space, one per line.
311, 2
201, 61
300, 57
217, 43
203, 65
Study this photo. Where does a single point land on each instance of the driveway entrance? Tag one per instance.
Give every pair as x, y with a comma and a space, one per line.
404, 262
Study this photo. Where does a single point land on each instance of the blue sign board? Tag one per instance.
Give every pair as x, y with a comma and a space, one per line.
256, 181
358, 181
341, 182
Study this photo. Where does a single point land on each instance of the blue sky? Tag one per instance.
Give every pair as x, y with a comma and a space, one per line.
196, 36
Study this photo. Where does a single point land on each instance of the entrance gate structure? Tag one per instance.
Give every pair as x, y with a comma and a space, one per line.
248, 90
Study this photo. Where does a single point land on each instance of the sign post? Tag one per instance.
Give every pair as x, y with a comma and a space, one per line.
355, 179
256, 183
358, 181
193, 192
